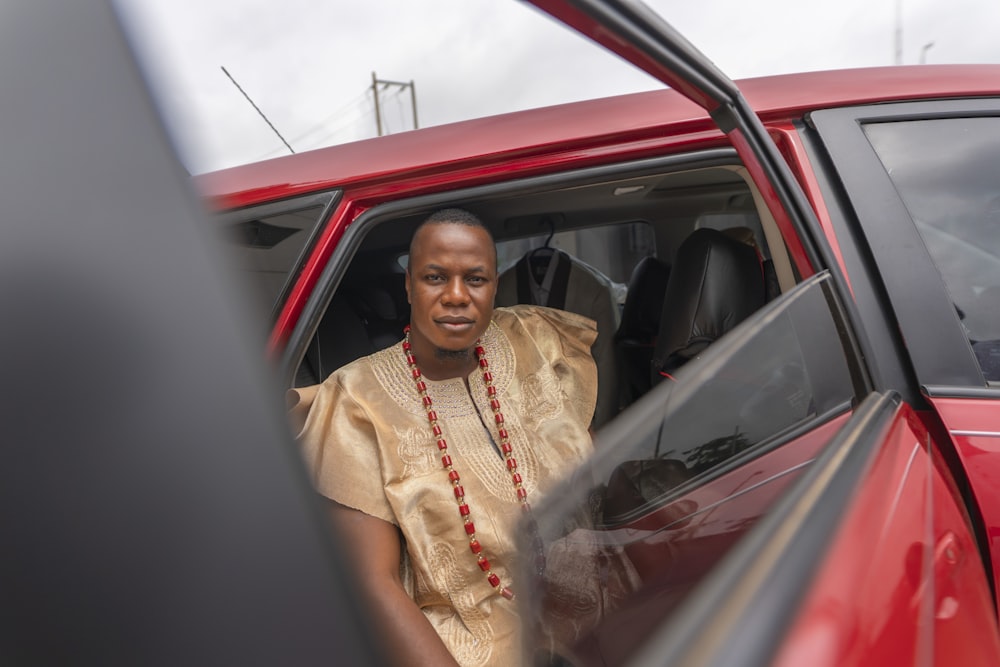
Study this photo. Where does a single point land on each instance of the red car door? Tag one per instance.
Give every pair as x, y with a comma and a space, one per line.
897, 576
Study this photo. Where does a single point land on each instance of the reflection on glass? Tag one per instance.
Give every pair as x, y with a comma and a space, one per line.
683, 475
954, 199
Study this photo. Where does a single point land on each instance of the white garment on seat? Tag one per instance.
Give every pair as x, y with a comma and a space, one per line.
588, 292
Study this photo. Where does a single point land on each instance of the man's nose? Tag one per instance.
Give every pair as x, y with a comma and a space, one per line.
457, 293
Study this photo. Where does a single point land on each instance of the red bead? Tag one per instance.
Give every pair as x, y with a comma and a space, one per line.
493, 579
421, 385
463, 510
522, 494
512, 464
446, 460
442, 445
470, 528
416, 376
484, 565
406, 328
480, 351
488, 377
483, 363
427, 401
507, 593
495, 404
410, 359
499, 418
506, 448
406, 346
437, 430
503, 434
459, 492
491, 391
475, 546
516, 478
453, 475
432, 416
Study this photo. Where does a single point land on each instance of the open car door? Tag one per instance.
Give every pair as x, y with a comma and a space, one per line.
773, 505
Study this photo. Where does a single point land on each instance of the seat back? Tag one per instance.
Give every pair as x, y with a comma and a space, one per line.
640, 325
715, 283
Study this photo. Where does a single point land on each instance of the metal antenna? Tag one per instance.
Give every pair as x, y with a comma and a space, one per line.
269, 123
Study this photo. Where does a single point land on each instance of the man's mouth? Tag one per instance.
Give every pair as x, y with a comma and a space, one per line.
455, 322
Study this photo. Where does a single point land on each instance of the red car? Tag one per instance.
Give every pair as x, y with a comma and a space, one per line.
797, 285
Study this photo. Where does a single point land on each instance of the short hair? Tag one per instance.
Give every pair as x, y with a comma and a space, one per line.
455, 216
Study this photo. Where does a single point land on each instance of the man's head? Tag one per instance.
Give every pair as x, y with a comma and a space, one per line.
451, 281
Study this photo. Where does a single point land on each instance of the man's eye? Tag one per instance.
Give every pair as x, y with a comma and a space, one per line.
434, 277
476, 280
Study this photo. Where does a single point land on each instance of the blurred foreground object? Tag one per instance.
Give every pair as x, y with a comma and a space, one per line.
152, 505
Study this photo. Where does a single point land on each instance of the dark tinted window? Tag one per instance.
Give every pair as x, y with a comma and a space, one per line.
682, 475
945, 171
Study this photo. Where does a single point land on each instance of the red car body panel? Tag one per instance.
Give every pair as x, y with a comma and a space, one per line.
974, 426
903, 581
570, 135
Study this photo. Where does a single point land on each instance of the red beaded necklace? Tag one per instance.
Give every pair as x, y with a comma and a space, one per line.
453, 476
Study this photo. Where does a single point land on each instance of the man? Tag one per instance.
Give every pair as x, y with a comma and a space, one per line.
431, 450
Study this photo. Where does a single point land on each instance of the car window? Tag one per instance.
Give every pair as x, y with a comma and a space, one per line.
267, 245
954, 201
679, 479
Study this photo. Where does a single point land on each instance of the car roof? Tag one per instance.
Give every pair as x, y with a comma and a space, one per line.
621, 119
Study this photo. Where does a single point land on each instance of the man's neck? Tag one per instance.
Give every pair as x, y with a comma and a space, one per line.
446, 364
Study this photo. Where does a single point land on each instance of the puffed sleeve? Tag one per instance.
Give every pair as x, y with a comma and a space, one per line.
341, 450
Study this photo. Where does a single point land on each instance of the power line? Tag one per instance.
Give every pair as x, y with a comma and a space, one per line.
358, 116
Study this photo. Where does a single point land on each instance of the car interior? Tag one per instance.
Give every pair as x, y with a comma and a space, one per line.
683, 256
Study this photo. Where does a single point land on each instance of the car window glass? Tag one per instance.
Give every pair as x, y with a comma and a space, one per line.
954, 201
266, 249
687, 471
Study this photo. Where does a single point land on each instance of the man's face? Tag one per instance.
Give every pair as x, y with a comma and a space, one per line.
450, 284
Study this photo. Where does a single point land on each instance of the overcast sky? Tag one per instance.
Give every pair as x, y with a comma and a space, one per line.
307, 64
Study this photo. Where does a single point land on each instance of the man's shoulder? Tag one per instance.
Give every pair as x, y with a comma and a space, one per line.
533, 317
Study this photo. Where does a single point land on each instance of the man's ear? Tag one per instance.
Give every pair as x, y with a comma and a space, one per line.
406, 283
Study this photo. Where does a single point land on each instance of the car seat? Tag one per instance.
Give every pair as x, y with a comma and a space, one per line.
715, 283
640, 325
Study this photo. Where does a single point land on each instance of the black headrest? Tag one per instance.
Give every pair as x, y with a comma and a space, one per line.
644, 301
715, 283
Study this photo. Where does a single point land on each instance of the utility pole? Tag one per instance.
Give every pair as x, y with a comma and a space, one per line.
385, 84
898, 59
269, 124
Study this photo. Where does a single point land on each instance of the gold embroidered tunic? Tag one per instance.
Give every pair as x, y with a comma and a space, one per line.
369, 446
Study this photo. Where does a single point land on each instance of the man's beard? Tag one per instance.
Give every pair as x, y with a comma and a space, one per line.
452, 355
